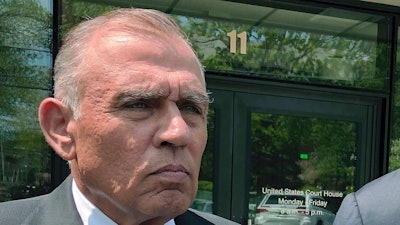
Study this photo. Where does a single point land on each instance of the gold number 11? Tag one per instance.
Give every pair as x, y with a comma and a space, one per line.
233, 39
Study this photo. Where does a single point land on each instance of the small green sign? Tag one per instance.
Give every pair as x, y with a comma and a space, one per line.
303, 156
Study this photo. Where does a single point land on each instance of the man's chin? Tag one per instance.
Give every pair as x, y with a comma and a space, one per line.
173, 202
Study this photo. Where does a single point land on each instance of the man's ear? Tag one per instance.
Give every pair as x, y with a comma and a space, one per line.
55, 119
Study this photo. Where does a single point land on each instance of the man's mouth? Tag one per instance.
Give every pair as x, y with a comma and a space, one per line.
172, 173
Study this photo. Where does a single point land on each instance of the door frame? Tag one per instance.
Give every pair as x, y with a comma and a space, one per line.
241, 96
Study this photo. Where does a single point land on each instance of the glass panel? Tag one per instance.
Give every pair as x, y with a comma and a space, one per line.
74, 12
24, 154
301, 168
394, 157
204, 197
25, 79
335, 47
319, 45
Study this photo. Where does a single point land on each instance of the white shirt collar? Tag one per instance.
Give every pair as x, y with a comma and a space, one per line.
89, 213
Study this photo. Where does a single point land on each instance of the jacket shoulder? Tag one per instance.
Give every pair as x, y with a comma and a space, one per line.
57, 207
379, 200
16, 212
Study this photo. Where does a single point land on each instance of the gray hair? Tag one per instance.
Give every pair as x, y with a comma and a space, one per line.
69, 63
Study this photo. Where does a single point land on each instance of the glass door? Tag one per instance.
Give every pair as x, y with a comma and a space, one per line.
214, 189
300, 168
295, 158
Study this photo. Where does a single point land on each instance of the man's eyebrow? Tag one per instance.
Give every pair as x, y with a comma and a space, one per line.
136, 94
196, 97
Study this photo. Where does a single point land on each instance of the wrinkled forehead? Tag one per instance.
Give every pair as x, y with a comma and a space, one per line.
119, 28
116, 44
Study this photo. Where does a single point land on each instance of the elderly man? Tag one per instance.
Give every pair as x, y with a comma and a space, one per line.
130, 116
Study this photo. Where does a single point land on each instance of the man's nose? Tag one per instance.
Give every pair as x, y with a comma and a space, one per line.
173, 131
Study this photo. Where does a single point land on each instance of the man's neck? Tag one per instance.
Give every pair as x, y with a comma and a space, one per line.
91, 215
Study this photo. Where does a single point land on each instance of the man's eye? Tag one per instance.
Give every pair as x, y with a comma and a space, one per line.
136, 105
191, 109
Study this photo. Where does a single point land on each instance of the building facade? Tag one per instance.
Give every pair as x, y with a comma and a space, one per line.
306, 99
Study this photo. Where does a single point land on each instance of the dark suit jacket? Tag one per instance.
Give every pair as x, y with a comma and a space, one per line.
377, 203
58, 208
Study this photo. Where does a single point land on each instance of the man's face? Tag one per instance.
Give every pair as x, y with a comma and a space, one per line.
142, 127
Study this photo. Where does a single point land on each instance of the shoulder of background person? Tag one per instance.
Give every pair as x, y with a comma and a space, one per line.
379, 200
348, 213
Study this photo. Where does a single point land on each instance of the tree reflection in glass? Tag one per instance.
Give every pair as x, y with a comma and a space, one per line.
25, 78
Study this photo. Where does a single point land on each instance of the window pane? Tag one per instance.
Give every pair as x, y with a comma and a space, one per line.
301, 168
394, 159
24, 154
25, 79
204, 197
333, 46
290, 42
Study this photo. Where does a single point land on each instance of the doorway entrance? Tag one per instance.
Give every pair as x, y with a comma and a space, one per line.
289, 155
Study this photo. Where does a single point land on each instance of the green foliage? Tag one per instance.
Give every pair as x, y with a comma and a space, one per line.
277, 142
205, 185
78, 11
289, 54
394, 162
25, 78
207, 162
